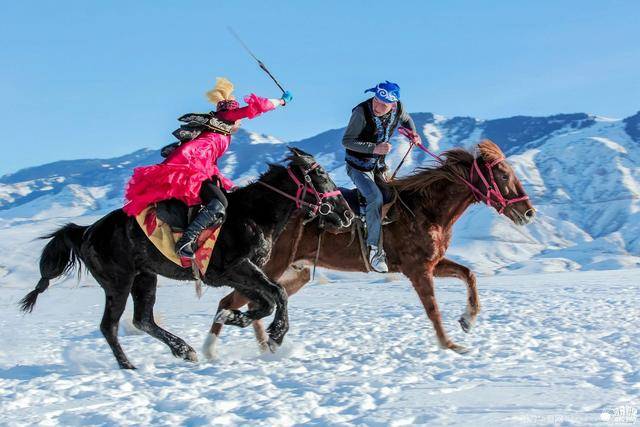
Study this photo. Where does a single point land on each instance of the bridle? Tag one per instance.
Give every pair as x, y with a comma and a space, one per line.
321, 207
493, 196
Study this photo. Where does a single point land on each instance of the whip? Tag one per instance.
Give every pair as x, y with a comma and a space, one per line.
260, 63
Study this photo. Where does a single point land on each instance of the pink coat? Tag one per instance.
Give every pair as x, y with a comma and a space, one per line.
181, 175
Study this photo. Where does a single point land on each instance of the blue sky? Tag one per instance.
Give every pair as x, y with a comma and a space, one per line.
96, 79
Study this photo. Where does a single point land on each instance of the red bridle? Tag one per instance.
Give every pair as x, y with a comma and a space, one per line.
303, 189
493, 194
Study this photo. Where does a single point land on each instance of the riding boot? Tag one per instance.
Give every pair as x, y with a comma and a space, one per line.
210, 215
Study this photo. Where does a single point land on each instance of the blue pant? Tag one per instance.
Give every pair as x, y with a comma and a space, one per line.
365, 182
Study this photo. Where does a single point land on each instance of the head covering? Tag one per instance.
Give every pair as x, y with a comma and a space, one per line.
386, 91
230, 104
221, 95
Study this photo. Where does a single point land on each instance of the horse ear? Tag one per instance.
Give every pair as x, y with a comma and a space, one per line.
298, 152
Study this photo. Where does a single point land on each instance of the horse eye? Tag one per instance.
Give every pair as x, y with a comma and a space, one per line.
505, 177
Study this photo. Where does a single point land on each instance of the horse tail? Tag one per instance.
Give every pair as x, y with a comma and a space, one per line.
59, 256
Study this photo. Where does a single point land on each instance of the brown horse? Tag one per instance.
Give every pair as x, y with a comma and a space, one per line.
415, 243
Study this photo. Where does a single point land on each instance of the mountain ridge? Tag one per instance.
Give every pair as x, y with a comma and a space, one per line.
581, 171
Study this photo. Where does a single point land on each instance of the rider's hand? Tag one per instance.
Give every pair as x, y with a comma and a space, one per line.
414, 137
286, 98
382, 148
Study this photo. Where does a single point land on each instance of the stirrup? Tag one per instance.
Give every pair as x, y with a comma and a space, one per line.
190, 253
208, 216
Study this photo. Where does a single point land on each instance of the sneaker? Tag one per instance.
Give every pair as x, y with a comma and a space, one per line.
378, 260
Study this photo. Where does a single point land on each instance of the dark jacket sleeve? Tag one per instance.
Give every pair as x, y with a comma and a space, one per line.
406, 121
354, 129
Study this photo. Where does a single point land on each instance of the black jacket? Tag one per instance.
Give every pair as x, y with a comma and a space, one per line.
362, 134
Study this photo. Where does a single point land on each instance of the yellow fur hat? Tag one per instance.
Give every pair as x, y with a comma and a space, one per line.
222, 91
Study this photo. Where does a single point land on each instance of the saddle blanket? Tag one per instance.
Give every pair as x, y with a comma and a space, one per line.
164, 238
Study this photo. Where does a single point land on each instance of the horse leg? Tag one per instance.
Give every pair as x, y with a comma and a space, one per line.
260, 332
252, 281
232, 301
448, 268
293, 279
116, 300
422, 282
143, 293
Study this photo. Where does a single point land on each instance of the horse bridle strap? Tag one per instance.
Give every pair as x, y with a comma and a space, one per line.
492, 187
493, 193
301, 192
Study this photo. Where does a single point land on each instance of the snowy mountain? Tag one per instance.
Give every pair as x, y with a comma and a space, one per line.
581, 171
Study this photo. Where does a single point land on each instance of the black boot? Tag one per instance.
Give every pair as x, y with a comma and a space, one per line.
209, 216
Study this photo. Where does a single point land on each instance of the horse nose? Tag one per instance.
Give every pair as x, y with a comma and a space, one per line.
529, 214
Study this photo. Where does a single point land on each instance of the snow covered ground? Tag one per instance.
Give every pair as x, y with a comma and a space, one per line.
547, 349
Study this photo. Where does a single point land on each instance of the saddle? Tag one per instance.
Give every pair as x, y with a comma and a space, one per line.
358, 204
175, 213
164, 222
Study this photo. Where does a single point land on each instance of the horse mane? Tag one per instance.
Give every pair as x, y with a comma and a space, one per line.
457, 163
293, 159
273, 169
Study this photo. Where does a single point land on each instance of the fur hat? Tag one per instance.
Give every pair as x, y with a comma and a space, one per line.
221, 95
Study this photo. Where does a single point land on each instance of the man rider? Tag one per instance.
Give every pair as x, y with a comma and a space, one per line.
366, 141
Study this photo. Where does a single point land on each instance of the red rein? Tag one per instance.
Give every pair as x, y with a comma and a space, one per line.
493, 194
308, 187
302, 190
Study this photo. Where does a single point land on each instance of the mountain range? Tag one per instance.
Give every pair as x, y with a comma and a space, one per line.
581, 171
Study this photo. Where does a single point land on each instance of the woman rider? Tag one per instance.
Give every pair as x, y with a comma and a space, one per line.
190, 172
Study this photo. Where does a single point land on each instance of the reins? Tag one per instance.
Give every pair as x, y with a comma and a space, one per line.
493, 192
315, 208
315, 261
321, 207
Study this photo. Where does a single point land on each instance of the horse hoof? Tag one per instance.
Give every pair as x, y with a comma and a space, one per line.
458, 348
272, 345
185, 353
191, 356
263, 347
127, 365
222, 315
464, 324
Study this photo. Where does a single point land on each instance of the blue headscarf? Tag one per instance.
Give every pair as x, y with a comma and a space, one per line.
386, 92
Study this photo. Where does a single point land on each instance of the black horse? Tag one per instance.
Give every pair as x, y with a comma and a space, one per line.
122, 259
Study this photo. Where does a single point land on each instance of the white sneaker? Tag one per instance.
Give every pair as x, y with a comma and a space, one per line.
378, 260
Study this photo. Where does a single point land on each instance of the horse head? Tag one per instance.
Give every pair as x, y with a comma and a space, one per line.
498, 185
316, 187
